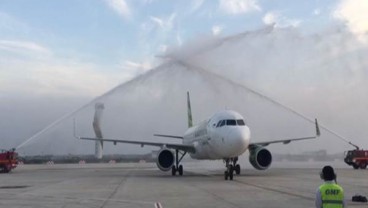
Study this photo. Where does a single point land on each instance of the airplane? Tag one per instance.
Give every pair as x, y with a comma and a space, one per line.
224, 136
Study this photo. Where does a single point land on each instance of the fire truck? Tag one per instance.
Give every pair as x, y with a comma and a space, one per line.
8, 160
357, 158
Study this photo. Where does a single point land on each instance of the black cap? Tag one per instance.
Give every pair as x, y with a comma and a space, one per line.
328, 173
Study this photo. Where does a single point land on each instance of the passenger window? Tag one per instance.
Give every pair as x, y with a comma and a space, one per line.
230, 122
240, 122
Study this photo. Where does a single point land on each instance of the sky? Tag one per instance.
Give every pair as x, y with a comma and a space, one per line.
56, 56
110, 41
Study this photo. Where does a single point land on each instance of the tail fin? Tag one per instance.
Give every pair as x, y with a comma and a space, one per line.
96, 127
190, 119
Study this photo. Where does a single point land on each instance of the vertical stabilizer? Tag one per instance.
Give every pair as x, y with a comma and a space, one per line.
96, 127
190, 119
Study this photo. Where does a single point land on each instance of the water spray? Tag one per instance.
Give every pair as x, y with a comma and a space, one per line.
69, 115
262, 96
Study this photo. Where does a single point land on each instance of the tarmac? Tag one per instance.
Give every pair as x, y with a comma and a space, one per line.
143, 185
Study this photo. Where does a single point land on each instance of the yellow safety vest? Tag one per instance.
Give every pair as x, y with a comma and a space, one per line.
332, 195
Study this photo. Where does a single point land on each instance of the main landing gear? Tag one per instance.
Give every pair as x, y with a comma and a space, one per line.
231, 167
178, 168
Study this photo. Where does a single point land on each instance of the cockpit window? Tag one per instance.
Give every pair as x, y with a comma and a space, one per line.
240, 122
222, 123
230, 122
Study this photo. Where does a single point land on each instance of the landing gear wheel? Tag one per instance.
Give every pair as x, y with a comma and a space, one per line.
363, 165
180, 169
231, 167
237, 169
5, 169
173, 170
231, 172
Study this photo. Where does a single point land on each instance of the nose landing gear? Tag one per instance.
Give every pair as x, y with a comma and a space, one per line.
231, 167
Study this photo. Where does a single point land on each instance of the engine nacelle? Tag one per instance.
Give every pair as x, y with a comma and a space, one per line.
165, 159
260, 158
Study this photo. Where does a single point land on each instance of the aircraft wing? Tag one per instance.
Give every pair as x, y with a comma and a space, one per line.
287, 141
183, 147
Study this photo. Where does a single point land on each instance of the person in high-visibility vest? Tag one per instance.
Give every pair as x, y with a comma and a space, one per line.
329, 194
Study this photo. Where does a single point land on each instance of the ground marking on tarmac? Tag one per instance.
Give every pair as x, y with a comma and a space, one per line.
90, 198
266, 188
158, 205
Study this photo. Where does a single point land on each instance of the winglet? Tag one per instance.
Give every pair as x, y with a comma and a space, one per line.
97, 120
96, 127
190, 119
318, 132
74, 131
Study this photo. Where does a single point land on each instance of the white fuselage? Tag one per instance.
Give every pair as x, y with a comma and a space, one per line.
224, 135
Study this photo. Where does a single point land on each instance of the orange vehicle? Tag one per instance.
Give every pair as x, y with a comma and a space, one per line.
8, 160
357, 158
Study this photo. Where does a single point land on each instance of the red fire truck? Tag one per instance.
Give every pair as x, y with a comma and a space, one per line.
8, 160
357, 158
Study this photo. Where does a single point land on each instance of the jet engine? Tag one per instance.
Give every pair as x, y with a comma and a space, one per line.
165, 159
260, 158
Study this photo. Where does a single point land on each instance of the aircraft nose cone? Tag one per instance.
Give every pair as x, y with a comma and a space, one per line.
240, 139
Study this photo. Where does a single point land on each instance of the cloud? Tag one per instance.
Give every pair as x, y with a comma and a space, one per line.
147, 2
9, 24
179, 40
270, 18
196, 4
137, 68
157, 32
354, 13
236, 7
164, 23
158, 24
317, 11
120, 7
28, 68
23, 46
216, 29
66, 78
157, 20
275, 18
163, 48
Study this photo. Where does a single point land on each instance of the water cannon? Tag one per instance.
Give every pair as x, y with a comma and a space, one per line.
356, 147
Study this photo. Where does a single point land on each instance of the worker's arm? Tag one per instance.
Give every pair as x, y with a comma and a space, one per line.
318, 199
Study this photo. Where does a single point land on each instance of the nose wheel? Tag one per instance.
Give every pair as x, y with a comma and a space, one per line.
231, 167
